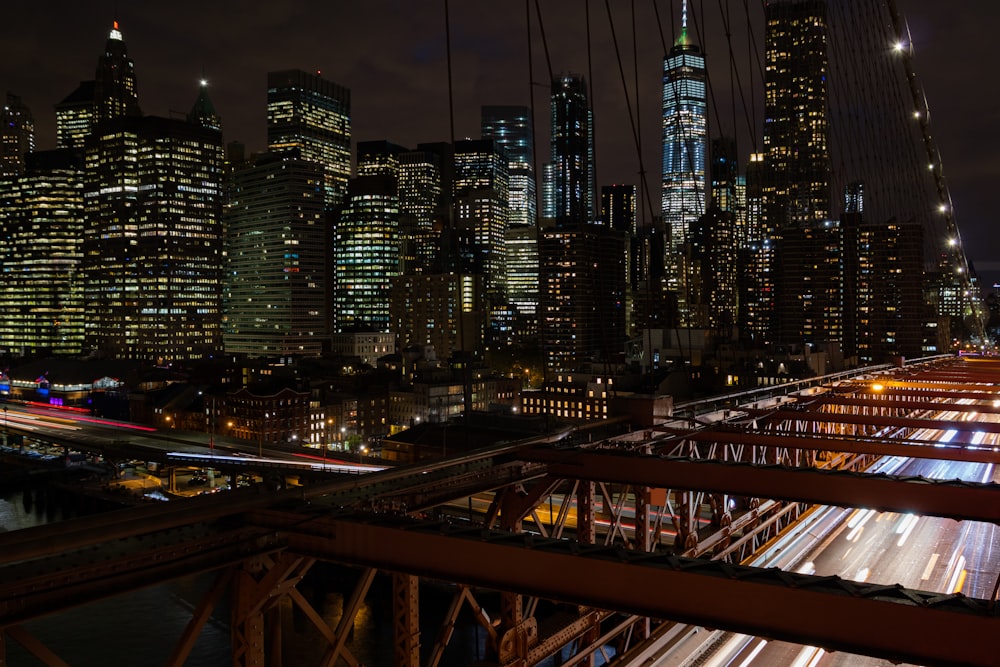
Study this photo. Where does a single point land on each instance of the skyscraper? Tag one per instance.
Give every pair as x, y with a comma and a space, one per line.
41, 293
310, 118
569, 177
618, 211
510, 127
115, 92
807, 265
420, 203
481, 208
277, 286
152, 243
685, 131
582, 294
366, 253
17, 136
75, 116
522, 274
796, 187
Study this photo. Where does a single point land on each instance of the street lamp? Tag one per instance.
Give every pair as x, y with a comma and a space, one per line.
343, 444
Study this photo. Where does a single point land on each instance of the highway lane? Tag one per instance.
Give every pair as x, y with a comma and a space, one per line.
927, 553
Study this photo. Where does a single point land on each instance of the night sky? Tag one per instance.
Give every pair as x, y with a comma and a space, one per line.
391, 54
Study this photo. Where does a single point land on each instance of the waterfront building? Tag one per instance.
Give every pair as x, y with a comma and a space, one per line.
309, 117
278, 242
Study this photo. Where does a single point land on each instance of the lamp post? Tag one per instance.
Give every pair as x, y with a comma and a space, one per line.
326, 439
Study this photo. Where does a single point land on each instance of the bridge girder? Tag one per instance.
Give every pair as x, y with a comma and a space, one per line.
884, 621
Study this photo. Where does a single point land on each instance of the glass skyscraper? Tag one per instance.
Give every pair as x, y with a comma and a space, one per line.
510, 127
310, 118
569, 177
367, 253
685, 131
796, 186
481, 208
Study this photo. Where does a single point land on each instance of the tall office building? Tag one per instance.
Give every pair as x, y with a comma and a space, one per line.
755, 274
309, 117
582, 294
481, 209
152, 243
366, 253
796, 188
41, 295
420, 205
510, 127
685, 131
17, 136
618, 211
75, 116
115, 92
522, 274
442, 310
569, 176
277, 241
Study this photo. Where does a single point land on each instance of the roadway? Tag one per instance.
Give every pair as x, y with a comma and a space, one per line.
925, 553
124, 440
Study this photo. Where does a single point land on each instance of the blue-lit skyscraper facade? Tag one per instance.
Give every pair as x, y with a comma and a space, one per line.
685, 131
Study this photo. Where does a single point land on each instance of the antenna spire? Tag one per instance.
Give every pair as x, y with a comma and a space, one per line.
682, 40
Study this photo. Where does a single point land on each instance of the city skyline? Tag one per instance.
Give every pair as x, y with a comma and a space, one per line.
406, 69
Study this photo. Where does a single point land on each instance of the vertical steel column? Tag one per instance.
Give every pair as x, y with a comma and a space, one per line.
405, 620
247, 622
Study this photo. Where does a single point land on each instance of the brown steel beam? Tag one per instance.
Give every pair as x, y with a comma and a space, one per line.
29, 591
876, 420
951, 452
889, 402
34, 646
957, 500
882, 621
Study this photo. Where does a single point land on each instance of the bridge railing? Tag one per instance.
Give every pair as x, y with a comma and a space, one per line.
746, 397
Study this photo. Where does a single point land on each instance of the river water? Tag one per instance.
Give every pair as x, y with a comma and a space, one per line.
141, 627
